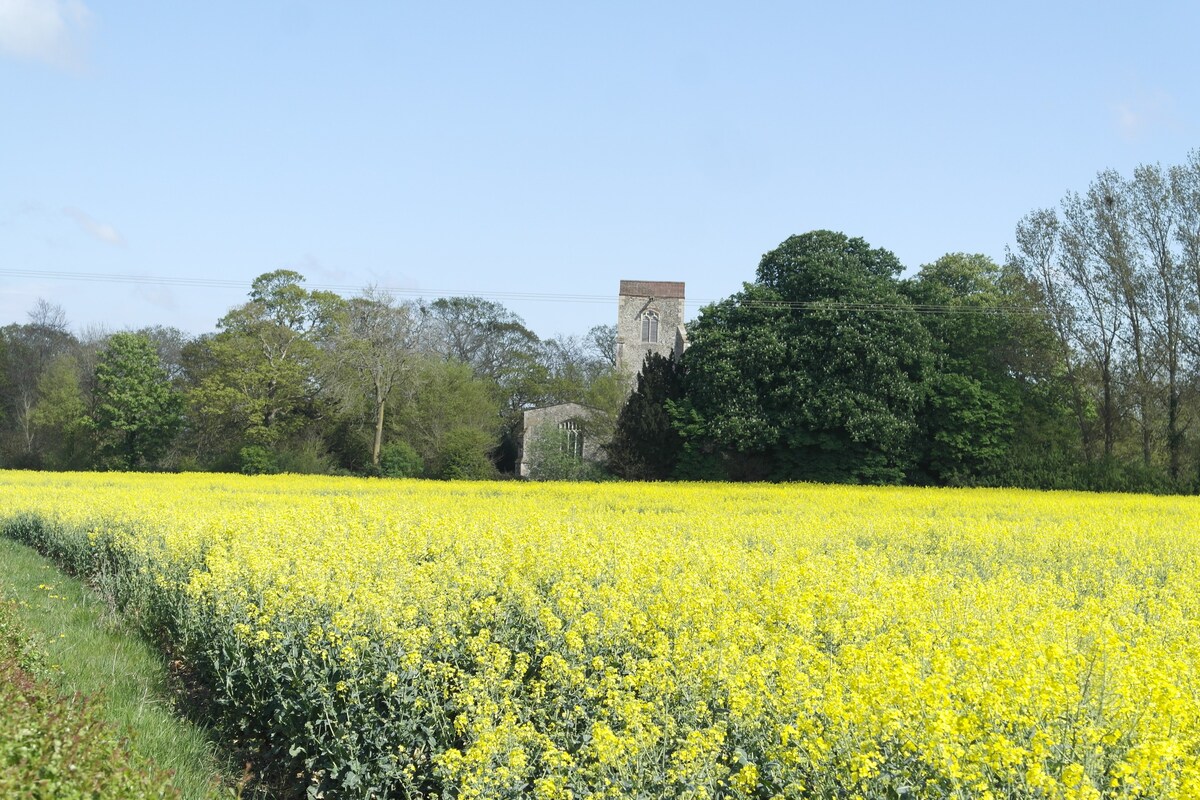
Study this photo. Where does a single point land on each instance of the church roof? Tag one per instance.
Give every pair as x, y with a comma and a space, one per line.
660, 289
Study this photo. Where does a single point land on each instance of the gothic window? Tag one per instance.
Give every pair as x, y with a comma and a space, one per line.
650, 326
572, 437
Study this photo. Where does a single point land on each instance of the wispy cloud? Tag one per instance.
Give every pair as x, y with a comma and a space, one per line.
159, 296
94, 228
1148, 111
312, 268
51, 31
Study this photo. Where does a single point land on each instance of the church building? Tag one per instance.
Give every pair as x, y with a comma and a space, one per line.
650, 319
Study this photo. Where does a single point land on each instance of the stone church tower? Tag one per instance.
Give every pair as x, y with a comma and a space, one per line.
649, 320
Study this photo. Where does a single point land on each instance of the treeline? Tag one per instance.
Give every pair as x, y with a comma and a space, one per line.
294, 380
1072, 365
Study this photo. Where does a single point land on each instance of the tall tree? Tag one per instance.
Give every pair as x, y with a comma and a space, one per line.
601, 341
1097, 302
483, 334
1120, 278
265, 366
30, 348
1038, 257
449, 418
1156, 217
60, 417
374, 346
813, 372
995, 376
970, 403
137, 413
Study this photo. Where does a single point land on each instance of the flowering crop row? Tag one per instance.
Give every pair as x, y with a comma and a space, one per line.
506, 640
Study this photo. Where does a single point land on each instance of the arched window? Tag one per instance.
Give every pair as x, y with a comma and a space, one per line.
649, 326
572, 433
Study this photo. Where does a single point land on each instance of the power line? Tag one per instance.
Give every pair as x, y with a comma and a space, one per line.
796, 305
219, 283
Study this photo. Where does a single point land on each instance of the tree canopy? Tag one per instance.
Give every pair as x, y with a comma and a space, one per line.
813, 372
137, 412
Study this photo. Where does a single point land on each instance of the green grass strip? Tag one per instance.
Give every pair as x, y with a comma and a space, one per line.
89, 651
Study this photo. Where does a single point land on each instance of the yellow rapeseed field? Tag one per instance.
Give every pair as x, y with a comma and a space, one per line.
485, 640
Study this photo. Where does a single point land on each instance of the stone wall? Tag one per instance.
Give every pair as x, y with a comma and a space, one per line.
637, 299
550, 418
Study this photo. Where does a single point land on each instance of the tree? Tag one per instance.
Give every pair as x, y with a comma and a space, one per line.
1118, 273
374, 347
1038, 257
169, 343
1157, 205
645, 445
260, 377
30, 348
483, 334
449, 417
994, 370
60, 416
137, 413
602, 343
813, 372
574, 370
500, 350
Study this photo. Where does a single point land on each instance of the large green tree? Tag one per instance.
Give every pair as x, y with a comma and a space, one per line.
449, 417
260, 378
815, 371
994, 391
1117, 267
137, 413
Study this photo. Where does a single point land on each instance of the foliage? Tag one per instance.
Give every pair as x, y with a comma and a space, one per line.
80, 658
376, 342
254, 459
645, 445
483, 334
449, 409
400, 460
464, 455
1115, 270
58, 749
304, 455
815, 372
260, 375
994, 373
553, 455
28, 350
18, 647
60, 416
137, 414
514, 640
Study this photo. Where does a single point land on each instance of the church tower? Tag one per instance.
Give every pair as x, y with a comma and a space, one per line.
649, 320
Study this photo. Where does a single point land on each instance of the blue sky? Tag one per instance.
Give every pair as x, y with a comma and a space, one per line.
552, 148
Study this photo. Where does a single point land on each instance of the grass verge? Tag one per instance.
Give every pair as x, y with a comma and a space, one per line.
89, 651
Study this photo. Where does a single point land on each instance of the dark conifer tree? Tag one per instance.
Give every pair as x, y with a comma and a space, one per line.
645, 445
